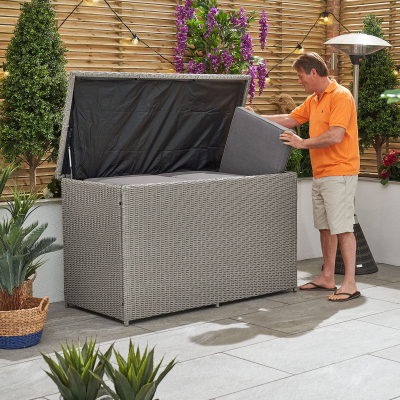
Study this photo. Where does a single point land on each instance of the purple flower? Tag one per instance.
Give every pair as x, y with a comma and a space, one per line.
228, 60
252, 71
215, 59
246, 47
263, 29
183, 14
196, 68
262, 76
234, 20
242, 21
211, 22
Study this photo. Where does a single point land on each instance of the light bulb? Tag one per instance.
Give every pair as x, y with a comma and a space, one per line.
396, 72
299, 49
135, 40
268, 80
325, 18
92, 3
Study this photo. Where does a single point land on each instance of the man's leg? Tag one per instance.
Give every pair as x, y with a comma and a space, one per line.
347, 242
329, 246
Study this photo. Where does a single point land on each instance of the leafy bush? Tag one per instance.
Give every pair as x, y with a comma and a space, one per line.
34, 90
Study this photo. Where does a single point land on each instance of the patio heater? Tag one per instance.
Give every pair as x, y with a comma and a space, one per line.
357, 45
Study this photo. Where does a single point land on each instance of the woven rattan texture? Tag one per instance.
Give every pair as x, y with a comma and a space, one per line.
24, 322
93, 273
365, 263
191, 244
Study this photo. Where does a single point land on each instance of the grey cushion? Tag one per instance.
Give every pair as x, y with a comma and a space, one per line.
197, 175
132, 179
162, 178
253, 146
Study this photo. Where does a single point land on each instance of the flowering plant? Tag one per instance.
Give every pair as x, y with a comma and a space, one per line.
390, 169
218, 42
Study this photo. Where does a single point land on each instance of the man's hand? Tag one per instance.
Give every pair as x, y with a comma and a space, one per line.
292, 139
249, 108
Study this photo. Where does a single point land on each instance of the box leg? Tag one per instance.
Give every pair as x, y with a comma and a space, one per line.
217, 305
295, 289
66, 304
126, 322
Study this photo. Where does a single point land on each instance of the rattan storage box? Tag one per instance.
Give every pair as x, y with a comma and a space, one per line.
173, 242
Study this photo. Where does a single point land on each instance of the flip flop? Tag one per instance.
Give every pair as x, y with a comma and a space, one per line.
351, 296
317, 287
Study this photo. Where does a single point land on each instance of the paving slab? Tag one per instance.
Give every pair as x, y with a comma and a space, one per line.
391, 353
391, 319
389, 292
205, 314
301, 317
361, 378
197, 340
25, 381
320, 347
212, 376
386, 272
102, 328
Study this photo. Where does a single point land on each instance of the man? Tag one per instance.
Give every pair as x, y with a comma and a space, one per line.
335, 160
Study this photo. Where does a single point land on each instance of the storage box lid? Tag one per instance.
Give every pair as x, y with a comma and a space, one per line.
128, 123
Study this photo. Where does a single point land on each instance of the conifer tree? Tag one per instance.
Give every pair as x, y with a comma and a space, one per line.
34, 88
378, 121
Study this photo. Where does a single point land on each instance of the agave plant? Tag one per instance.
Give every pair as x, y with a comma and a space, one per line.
5, 175
22, 205
135, 378
73, 374
19, 248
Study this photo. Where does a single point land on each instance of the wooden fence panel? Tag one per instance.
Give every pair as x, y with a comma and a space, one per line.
97, 41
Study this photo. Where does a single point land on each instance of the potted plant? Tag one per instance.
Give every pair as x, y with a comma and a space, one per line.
34, 89
390, 169
73, 374
135, 378
378, 120
21, 318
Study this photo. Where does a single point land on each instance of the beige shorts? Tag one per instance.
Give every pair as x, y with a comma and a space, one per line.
333, 203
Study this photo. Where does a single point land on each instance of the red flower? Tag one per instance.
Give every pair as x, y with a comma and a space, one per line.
390, 159
384, 174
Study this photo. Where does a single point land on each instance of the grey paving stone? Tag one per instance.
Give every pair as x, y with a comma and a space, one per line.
389, 292
198, 340
390, 273
391, 353
320, 347
104, 329
212, 376
362, 378
206, 314
313, 314
391, 319
25, 381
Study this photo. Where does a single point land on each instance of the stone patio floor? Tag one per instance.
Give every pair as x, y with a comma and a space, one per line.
277, 347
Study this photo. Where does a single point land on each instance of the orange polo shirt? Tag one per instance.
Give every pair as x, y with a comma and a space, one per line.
335, 108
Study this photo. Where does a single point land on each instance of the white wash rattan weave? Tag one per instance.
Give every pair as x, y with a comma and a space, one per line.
136, 251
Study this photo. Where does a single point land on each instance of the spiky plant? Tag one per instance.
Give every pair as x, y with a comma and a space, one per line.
22, 205
135, 378
73, 374
19, 247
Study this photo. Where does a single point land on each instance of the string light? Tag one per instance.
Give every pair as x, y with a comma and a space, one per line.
299, 49
92, 3
135, 39
325, 18
396, 70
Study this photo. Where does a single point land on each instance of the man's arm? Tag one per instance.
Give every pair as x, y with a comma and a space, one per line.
282, 119
333, 135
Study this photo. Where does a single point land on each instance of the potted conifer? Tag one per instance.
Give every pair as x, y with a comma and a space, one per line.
33, 88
